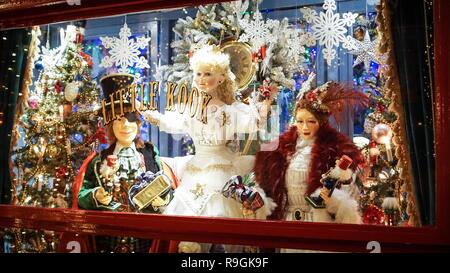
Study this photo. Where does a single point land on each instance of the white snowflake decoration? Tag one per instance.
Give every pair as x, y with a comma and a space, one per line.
124, 52
329, 29
257, 32
295, 45
364, 50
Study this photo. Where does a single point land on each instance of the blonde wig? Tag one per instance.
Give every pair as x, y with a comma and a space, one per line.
219, 63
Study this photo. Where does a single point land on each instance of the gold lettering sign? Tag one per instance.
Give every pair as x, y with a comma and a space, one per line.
116, 101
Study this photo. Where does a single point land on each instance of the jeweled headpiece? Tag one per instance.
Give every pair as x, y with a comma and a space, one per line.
329, 99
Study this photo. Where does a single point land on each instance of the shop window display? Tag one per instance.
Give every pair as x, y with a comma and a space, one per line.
277, 53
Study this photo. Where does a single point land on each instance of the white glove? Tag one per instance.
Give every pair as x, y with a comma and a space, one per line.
102, 196
152, 116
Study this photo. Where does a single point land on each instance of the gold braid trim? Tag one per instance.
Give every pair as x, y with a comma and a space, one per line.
392, 90
22, 101
214, 167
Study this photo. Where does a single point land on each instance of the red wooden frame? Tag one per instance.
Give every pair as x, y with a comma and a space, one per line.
337, 237
38, 12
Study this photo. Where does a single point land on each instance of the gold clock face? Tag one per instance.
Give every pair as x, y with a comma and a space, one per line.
241, 62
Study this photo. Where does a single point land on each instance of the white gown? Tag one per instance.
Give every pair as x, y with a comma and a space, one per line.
341, 204
203, 175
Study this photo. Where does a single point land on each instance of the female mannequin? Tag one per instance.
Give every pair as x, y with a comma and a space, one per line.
203, 175
293, 169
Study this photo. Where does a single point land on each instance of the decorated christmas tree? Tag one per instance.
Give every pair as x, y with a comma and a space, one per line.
381, 194
58, 129
382, 197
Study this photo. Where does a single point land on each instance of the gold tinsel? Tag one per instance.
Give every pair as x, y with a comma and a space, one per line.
392, 91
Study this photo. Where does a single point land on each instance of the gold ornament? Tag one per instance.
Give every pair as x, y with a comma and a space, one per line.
52, 151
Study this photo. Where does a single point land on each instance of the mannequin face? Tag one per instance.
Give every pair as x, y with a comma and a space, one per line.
125, 131
206, 79
307, 124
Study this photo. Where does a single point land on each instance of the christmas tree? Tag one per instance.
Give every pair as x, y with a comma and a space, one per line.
59, 128
382, 195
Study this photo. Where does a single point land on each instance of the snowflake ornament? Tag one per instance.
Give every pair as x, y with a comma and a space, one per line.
294, 44
329, 29
364, 50
257, 32
124, 52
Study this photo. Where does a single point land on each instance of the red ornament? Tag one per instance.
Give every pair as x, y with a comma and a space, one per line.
101, 135
79, 38
260, 55
265, 91
311, 96
87, 58
373, 216
61, 172
381, 107
58, 87
263, 52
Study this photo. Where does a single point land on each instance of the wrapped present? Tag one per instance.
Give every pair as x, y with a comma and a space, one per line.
150, 189
244, 194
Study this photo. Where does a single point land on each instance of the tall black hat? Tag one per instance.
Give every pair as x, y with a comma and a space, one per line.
113, 103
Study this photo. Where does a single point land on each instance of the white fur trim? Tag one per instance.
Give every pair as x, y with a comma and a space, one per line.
342, 175
344, 207
269, 204
390, 203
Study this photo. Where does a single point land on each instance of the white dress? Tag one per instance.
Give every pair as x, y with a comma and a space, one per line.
341, 205
203, 175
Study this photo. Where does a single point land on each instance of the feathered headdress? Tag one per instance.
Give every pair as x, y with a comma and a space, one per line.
330, 99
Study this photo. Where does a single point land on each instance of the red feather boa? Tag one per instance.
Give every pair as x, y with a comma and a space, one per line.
270, 167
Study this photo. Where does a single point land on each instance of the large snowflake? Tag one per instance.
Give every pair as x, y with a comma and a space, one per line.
329, 29
365, 51
257, 32
124, 52
295, 45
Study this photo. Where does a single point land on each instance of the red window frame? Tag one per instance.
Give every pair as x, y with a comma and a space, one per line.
324, 236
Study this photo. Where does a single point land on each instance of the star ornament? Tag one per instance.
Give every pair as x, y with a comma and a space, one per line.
364, 50
198, 191
124, 53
